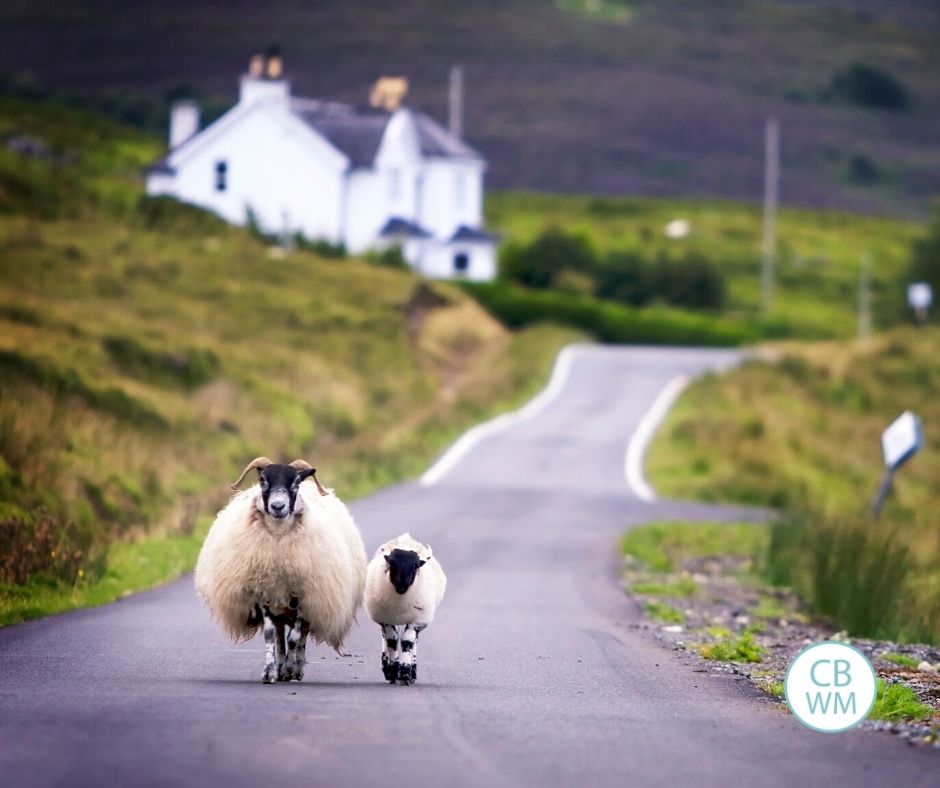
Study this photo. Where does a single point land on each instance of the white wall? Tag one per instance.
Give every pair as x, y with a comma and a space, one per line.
453, 196
274, 165
438, 261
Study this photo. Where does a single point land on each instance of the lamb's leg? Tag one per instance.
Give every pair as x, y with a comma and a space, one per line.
296, 650
408, 665
389, 652
270, 636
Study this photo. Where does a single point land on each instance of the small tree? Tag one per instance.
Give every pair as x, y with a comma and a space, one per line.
625, 278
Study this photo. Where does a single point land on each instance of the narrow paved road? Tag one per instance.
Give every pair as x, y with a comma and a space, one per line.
532, 674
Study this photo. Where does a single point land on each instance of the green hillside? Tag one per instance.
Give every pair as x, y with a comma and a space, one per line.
147, 351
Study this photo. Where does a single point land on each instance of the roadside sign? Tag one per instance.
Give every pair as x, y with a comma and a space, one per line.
902, 440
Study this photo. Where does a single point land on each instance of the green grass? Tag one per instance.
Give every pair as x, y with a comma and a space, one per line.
683, 587
663, 612
900, 659
774, 688
896, 702
803, 432
148, 351
665, 546
817, 267
742, 649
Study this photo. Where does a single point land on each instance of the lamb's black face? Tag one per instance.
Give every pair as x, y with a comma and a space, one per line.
279, 485
403, 567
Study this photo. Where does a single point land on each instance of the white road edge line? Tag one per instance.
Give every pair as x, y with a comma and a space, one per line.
639, 441
474, 435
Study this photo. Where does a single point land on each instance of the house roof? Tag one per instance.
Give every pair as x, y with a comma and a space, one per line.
465, 233
397, 227
355, 132
358, 131
160, 167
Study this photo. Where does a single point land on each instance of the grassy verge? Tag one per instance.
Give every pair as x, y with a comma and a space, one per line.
802, 432
708, 589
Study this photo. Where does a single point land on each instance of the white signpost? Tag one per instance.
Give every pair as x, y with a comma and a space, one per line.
901, 441
920, 297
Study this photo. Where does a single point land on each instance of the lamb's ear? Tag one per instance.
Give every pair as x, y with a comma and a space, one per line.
388, 558
421, 563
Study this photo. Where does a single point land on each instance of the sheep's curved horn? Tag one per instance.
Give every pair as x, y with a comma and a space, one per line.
257, 462
303, 465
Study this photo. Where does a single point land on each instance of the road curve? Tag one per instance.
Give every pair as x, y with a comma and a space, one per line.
533, 673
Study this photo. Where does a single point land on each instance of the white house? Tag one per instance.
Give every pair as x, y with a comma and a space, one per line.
366, 178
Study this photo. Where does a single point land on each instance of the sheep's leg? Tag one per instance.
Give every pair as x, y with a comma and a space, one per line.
270, 636
408, 665
296, 651
389, 652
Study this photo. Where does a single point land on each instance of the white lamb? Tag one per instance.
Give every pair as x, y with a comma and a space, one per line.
284, 555
404, 585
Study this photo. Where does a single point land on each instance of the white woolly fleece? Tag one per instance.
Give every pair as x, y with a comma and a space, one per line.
419, 603
249, 558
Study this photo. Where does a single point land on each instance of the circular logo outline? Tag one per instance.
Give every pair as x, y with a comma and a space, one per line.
786, 693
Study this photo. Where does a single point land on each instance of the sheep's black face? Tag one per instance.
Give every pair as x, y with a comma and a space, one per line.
279, 485
403, 567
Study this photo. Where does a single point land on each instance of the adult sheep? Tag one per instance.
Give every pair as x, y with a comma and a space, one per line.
284, 556
404, 585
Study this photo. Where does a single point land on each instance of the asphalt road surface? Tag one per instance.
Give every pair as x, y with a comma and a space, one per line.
532, 673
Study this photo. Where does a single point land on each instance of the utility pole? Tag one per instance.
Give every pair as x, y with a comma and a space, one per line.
455, 119
771, 191
864, 298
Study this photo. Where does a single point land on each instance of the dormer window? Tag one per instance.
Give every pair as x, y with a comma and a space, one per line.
221, 176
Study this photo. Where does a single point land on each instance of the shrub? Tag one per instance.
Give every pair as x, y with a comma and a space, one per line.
609, 322
538, 263
742, 649
624, 278
869, 86
852, 570
691, 282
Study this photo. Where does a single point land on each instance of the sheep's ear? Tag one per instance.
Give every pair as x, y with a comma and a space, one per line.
387, 558
421, 563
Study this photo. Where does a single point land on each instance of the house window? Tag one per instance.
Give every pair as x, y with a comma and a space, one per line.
221, 176
461, 262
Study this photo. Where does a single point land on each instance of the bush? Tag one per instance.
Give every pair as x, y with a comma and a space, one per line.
869, 86
624, 278
539, 263
692, 282
607, 321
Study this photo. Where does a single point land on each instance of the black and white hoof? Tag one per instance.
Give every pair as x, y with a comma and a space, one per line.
270, 674
407, 674
292, 670
389, 669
